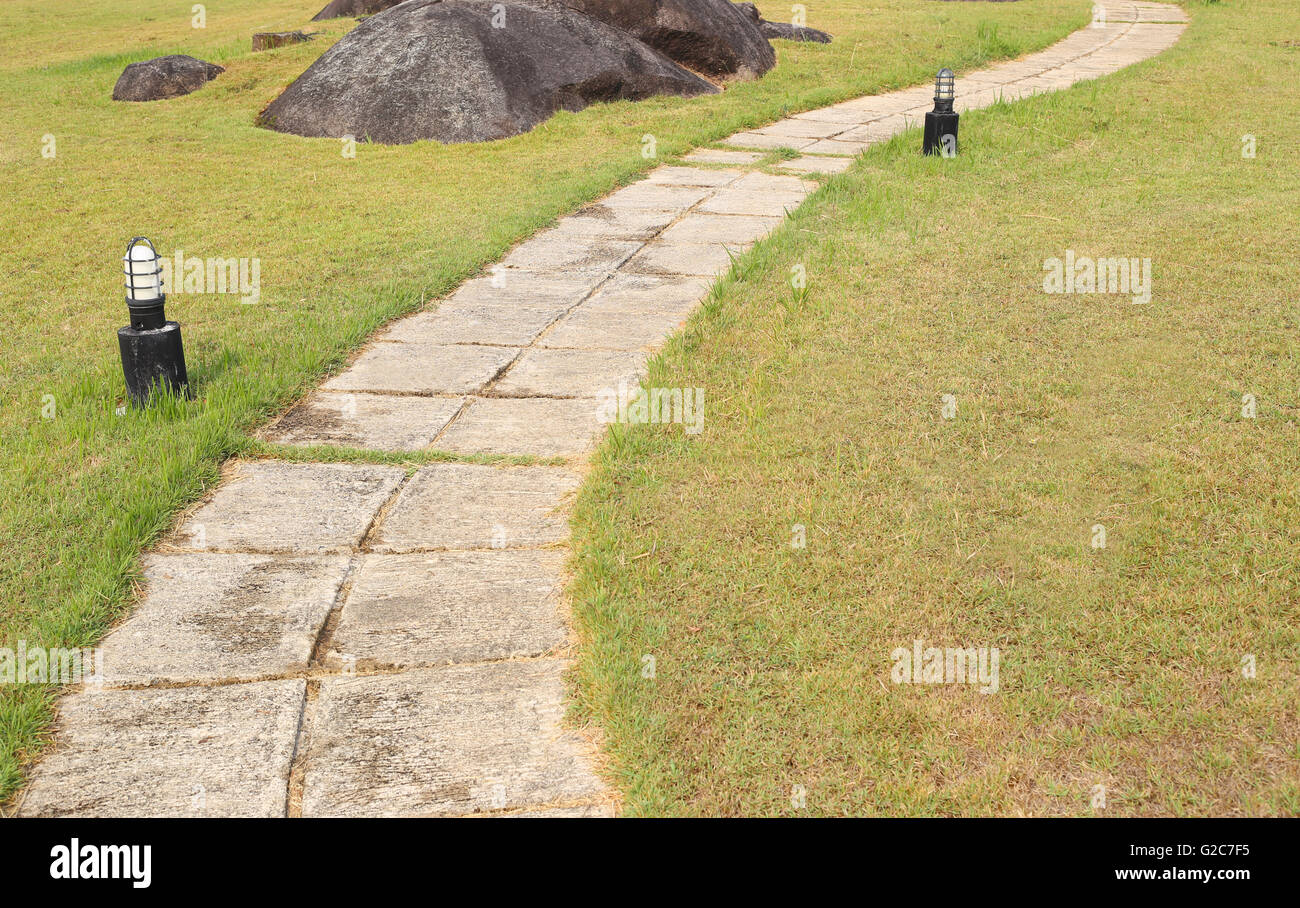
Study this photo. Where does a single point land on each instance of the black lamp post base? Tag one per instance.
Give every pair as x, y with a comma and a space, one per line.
152, 358
938, 125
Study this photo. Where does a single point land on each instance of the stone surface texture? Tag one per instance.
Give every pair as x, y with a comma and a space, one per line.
713, 37
164, 77
440, 69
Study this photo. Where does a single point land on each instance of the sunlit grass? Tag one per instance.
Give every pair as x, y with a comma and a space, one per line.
1120, 667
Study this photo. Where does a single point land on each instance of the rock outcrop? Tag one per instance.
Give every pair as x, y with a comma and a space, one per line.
713, 37
337, 9
783, 30
469, 71
163, 77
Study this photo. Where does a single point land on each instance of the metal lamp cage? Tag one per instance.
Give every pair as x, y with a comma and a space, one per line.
945, 90
144, 275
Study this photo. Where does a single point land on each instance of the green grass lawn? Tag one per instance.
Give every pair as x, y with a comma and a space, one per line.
345, 245
1120, 666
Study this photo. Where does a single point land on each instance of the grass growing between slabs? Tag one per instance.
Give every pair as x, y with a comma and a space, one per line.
344, 245
1124, 669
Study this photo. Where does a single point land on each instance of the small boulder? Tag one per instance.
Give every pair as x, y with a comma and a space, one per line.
713, 37
269, 40
337, 9
469, 71
163, 77
783, 30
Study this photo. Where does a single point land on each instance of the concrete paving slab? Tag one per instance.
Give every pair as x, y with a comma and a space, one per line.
568, 373
603, 330
759, 140
423, 368
617, 223
378, 422
470, 506
693, 259
635, 293
273, 506
536, 426
844, 117
451, 607
559, 250
454, 740
766, 204
692, 176
656, 196
460, 323
214, 617
795, 127
871, 133
774, 183
719, 156
835, 147
520, 287
170, 752
817, 164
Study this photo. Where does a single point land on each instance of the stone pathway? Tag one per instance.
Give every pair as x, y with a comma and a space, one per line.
345, 639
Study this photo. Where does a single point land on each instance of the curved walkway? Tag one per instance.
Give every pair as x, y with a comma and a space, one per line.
348, 639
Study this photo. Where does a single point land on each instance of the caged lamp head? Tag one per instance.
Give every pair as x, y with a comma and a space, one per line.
144, 296
944, 91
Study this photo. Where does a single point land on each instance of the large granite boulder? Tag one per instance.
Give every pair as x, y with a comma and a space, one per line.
713, 37
469, 71
784, 30
163, 77
337, 9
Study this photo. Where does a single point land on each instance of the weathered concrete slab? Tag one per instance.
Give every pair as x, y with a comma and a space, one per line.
603, 330
719, 156
617, 223
560, 251
423, 369
637, 293
692, 176
451, 607
775, 183
767, 204
657, 196
817, 164
569, 373
836, 147
272, 506
469, 506
878, 131
454, 740
696, 259
732, 230
536, 426
884, 105
520, 287
460, 323
801, 129
214, 617
171, 752
848, 116
379, 422
759, 140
